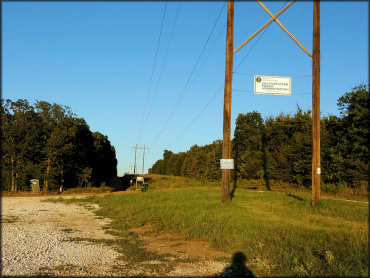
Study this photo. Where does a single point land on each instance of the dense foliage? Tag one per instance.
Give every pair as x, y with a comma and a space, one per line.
49, 143
279, 148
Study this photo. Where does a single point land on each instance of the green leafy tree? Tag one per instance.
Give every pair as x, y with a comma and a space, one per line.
21, 144
333, 150
354, 107
52, 116
248, 145
104, 160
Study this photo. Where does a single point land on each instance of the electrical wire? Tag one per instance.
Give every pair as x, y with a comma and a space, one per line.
188, 80
219, 90
151, 76
252, 75
249, 91
164, 60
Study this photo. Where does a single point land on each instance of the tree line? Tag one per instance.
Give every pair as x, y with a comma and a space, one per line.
50, 143
280, 148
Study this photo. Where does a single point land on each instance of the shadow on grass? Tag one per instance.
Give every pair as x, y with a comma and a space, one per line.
296, 197
237, 267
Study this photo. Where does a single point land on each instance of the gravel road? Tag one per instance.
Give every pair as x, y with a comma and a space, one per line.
35, 240
39, 238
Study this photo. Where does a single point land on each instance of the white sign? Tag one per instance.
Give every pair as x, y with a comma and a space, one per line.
227, 164
272, 85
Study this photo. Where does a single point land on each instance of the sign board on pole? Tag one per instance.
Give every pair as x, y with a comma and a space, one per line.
227, 164
272, 85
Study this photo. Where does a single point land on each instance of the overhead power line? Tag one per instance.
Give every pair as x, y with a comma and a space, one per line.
219, 89
251, 75
188, 80
216, 93
151, 76
164, 60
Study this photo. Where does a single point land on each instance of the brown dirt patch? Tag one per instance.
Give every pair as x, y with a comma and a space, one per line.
175, 244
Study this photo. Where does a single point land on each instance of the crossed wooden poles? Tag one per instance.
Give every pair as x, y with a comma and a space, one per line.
226, 152
274, 18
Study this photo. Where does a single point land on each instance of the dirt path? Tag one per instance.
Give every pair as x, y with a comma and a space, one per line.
40, 238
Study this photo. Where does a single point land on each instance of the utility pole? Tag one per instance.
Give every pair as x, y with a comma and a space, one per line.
135, 166
226, 143
316, 163
130, 168
143, 159
135, 159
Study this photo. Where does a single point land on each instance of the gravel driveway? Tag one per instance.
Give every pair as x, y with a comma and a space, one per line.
35, 240
41, 238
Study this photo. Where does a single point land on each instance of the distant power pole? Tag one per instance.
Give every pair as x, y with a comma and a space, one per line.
140, 148
143, 158
316, 163
135, 159
226, 142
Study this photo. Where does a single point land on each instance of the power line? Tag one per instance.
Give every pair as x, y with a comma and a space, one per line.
209, 54
190, 76
252, 75
249, 91
219, 90
151, 76
165, 59
198, 115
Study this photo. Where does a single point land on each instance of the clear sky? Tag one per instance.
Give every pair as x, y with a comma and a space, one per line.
98, 57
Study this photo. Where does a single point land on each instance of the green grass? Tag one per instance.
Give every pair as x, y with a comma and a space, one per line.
280, 234
327, 190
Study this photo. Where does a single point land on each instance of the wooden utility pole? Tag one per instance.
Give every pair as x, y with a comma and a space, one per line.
142, 172
316, 164
135, 159
226, 143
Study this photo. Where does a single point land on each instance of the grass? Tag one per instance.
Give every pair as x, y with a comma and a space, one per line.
327, 190
280, 234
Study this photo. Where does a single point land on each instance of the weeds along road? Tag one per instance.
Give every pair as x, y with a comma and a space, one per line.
46, 238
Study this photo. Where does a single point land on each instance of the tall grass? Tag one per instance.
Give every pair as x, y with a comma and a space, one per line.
280, 234
327, 190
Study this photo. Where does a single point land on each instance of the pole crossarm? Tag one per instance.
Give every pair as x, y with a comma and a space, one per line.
273, 18
285, 29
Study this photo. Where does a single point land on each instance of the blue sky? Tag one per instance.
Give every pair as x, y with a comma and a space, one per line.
97, 58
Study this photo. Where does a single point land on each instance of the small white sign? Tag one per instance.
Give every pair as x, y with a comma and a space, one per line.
227, 164
272, 85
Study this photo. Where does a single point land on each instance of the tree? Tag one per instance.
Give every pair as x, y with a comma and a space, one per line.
247, 143
280, 148
52, 115
333, 150
104, 162
21, 144
354, 107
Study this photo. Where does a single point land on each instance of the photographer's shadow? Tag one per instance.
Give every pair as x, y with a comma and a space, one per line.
237, 267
